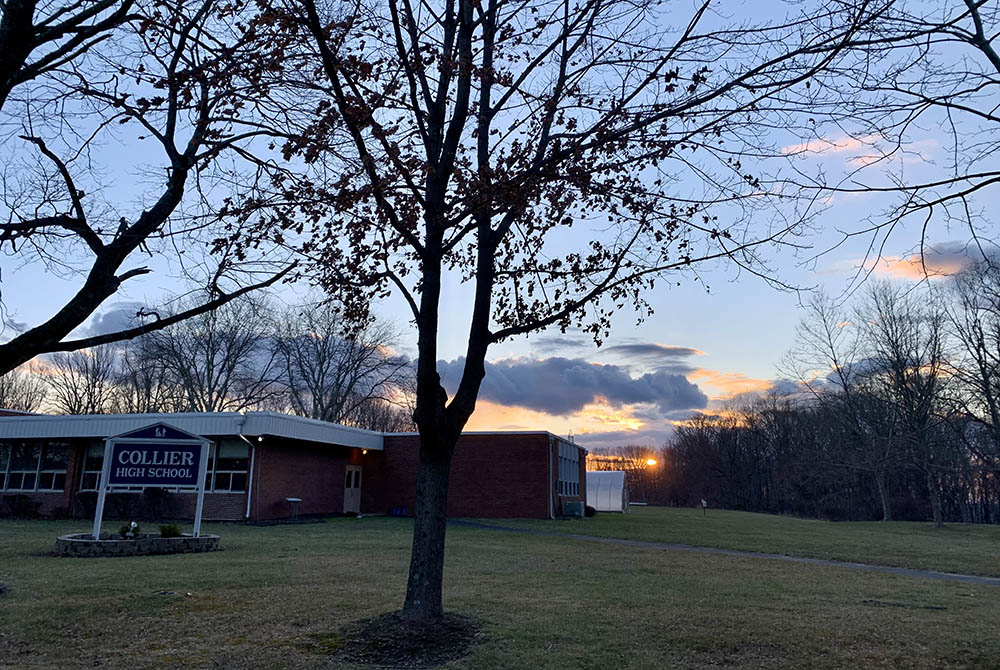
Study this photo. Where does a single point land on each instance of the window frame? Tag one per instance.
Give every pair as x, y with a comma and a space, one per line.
215, 471
43, 447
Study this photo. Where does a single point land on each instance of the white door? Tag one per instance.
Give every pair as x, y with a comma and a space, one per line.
352, 489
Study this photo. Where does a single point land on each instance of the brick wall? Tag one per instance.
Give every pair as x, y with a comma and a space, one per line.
312, 472
217, 506
496, 475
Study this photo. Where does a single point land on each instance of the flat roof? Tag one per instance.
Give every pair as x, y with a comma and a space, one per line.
567, 440
213, 424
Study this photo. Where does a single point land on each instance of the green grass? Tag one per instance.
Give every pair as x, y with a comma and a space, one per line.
276, 597
963, 548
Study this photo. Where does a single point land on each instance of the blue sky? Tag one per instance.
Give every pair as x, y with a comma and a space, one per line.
724, 334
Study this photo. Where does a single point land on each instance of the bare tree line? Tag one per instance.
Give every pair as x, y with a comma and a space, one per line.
896, 416
245, 355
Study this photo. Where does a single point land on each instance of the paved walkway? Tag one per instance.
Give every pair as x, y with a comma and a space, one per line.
642, 544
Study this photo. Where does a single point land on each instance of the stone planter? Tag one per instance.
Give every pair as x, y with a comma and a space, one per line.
83, 545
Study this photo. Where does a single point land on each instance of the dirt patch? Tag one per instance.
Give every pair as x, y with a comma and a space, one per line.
389, 640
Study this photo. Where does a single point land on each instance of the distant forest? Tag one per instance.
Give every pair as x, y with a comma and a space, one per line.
891, 411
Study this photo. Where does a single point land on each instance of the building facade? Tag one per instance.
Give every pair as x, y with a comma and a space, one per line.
264, 465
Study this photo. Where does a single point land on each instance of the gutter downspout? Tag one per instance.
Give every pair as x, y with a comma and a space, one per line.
551, 510
253, 452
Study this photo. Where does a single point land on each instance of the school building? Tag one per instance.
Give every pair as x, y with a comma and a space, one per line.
265, 465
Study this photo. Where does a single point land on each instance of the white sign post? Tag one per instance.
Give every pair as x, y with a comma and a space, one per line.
157, 455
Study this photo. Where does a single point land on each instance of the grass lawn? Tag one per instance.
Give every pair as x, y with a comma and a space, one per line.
964, 548
276, 597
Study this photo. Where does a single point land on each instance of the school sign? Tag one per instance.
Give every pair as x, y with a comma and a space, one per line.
157, 455
151, 464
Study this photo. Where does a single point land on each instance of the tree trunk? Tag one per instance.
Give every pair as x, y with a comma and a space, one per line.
423, 588
935, 497
883, 494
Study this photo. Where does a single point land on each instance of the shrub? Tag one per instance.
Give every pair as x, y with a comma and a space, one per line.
589, 511
170, 530
132, 528
19, 506
156, 504
59, 513
121, 506
85, 504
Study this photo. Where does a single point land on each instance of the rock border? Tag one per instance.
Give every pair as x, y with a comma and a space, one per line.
83, 545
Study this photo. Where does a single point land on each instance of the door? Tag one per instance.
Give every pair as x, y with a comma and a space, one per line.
352, 489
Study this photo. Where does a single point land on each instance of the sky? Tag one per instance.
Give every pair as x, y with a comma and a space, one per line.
706, 342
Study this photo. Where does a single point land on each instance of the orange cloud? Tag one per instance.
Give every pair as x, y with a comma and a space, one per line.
934, 266
728, 384
866, 149
597, 417
830, 146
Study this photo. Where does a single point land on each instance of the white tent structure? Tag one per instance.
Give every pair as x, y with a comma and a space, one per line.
606, 491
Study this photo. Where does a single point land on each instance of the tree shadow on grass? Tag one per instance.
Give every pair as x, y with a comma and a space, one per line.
389, 640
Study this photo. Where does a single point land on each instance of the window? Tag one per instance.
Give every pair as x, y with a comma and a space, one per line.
569, 470
4, 461
93, 465
230, 466
52, 473
93, 462
23, 466
33, 466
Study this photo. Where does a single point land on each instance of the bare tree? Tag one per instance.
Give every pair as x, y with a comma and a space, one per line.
480, 133
22, 390
82, 382
394, 416
332, 374
142, 384
220, 361
972, 301
904, 336
830, 361
176, 73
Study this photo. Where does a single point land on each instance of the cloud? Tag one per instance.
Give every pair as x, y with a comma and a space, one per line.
118, 317
729, 384
653, 350
660, 357
838, 145
563, 386
786, 387
655, 437
597, 416
939, 260
873, 147
557, 343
